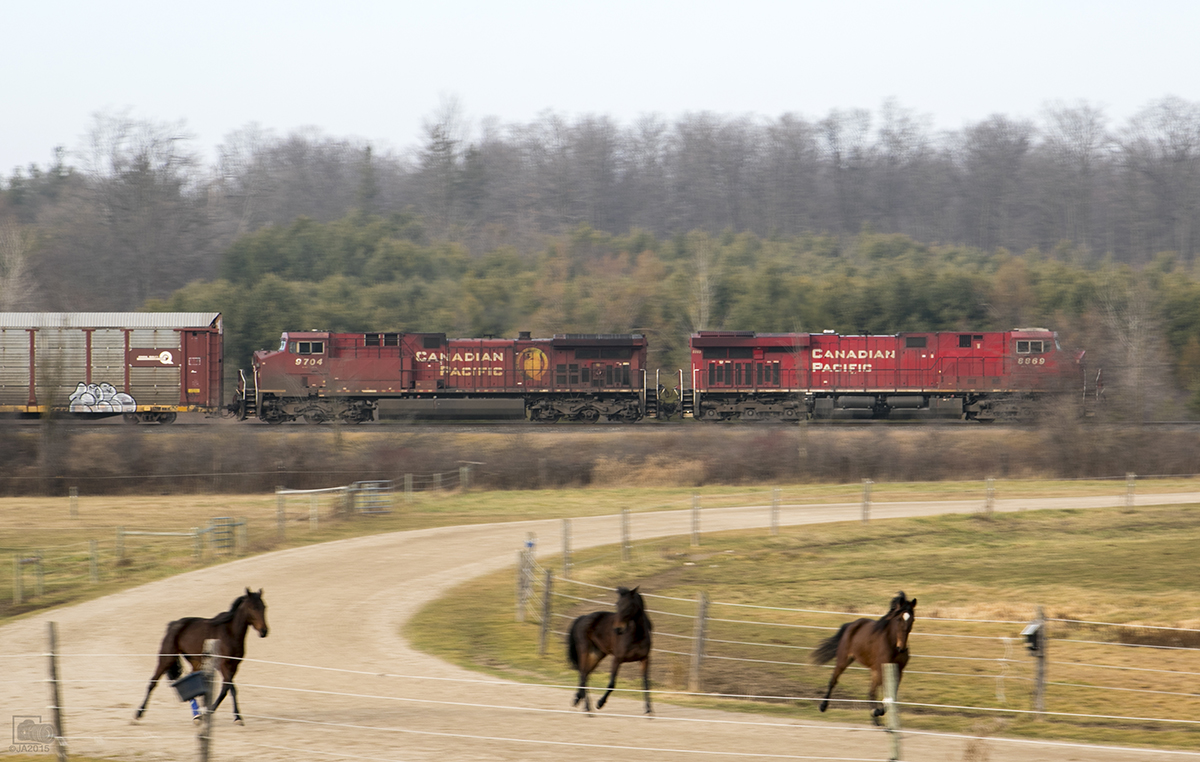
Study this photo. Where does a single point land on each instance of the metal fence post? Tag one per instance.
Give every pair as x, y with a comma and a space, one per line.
93, 562
464, 478
566, 548
408, 489
120, 544
695, 520
698, 632
197, 543
989, 500
1130, 487
40, 578
244, 535
866, 500
626, 546
18, 592
437, 482
74, 502
280, 514
520, 593
892, 707
775, 511
60, 733
314, 511
545, 633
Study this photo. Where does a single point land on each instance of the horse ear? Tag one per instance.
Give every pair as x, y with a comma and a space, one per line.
639, 587
247, 591
913, 603
260, 592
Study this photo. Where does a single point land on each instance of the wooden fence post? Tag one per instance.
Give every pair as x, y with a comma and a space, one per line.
18, 591
1130, 487
775, 511
1039, 690
408, 489
626, 545
566, 548
695, 520
989, 500
206, 723
120, 545
866, 500
892, 707
74, 502
437, 482
464, 478
545, 615
698, 633
314, 511
60, 733
40, 579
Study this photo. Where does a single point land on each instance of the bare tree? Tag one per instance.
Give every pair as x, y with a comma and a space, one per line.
1075, 141
1161, 149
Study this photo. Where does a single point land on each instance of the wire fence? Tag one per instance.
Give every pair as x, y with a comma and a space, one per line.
451, 713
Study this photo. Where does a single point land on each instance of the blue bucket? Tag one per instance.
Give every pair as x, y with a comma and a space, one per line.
189, 686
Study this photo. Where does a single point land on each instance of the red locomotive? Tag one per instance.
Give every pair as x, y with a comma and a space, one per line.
973, 376
357, 377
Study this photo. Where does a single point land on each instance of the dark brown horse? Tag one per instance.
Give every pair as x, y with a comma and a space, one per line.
185, 640
873, 642
624, 635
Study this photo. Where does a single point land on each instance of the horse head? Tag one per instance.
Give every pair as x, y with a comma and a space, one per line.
629, 606
901, 615
256, 611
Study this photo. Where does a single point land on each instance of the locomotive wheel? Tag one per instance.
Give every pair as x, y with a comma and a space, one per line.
711, 414
749, 413
315, 415
589, 415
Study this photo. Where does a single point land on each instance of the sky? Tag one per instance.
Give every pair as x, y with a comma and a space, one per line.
377, 71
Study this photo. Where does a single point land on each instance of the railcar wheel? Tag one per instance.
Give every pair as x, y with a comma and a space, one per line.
132, 418
166, 418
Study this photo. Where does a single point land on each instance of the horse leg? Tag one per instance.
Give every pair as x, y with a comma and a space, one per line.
164, 663
842, 663
612, 681
873, 694
587, 662
646, 682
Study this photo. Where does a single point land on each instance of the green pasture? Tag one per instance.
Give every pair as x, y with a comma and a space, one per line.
1134, 568
45, 527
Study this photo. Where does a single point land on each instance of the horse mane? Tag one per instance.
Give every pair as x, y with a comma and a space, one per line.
227, 616
896, 605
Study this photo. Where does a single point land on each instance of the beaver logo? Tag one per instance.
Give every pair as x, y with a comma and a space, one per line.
533, 363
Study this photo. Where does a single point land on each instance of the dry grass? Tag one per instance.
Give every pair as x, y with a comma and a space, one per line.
1103, 565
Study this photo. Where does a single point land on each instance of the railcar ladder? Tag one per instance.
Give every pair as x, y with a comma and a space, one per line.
247, 396
687, 398
650, 395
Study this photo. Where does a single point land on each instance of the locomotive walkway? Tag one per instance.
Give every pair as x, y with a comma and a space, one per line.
338, 609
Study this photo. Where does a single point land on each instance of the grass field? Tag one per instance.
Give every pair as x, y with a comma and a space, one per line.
1132, 568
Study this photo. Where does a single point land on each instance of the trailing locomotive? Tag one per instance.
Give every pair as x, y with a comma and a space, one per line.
320, 376
974, 376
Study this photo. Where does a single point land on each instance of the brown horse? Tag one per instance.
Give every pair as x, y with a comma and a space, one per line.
185, 640
873, 643
624, 635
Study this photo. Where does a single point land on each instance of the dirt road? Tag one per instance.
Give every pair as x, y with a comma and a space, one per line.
335, 680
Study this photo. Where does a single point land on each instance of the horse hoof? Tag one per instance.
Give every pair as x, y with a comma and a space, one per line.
239, 721
824, 705
196, 720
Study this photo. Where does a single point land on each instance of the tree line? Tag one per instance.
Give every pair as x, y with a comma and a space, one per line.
855, 221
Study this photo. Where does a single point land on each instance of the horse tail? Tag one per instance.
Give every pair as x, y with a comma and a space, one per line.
171, 649
573, 644
829, 646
